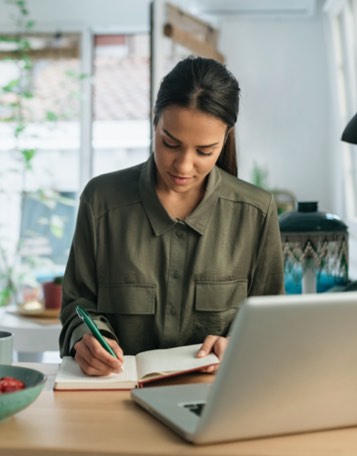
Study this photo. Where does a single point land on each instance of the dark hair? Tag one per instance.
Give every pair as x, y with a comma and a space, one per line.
207, 85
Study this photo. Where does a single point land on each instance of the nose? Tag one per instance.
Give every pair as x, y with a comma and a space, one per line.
184, 163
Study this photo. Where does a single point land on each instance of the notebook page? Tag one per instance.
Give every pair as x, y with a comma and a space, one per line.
70, 372
172, 360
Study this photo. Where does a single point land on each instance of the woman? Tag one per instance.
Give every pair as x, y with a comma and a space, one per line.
164, 252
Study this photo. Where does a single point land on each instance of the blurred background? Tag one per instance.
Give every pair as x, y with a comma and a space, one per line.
77, 80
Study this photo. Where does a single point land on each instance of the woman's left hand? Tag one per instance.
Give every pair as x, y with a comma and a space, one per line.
215, 344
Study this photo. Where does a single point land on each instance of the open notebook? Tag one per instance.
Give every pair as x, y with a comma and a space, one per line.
145, 367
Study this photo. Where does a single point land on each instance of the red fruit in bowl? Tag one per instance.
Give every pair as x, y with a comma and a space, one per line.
9, 384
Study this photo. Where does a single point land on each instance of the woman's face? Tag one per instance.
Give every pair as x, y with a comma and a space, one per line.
187, 144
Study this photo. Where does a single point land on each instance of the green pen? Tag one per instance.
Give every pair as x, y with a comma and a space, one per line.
83, 315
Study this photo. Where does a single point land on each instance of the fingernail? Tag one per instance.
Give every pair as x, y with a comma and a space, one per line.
201, 353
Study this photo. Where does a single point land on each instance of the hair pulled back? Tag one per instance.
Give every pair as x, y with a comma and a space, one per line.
206, 85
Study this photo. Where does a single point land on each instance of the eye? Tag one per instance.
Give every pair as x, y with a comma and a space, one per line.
204, 154
170, 145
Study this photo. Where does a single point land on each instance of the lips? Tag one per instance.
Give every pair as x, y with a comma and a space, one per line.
180, 180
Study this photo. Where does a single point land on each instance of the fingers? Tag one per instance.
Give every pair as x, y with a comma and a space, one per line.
220, 347
94, 360
117, 350
215, 344
210, 369
207, 346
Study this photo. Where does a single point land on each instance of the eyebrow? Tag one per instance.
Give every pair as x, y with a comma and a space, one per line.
177, 140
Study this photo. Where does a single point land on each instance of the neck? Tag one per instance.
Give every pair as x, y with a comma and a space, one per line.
180, 205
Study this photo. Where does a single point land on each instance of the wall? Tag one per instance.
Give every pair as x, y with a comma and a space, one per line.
102, 14
281, 65
284, 125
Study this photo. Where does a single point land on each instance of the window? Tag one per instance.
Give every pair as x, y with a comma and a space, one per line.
40, 131
47, 229
344, 35
77, 123
121, 97
342, 21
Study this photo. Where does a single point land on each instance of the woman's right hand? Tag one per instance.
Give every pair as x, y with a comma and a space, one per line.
94, 360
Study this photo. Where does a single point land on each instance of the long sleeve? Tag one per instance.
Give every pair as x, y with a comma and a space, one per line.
80, 281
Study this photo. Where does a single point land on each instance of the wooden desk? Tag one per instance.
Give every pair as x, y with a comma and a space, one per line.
109, 423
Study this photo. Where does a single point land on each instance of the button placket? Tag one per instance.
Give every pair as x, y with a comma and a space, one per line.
174, 287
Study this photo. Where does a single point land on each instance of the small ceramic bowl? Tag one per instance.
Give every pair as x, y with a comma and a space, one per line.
11, 403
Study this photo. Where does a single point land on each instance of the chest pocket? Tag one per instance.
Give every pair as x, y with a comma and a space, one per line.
130, 310
216, 303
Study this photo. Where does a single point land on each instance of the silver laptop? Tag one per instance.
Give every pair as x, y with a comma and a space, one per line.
290, 366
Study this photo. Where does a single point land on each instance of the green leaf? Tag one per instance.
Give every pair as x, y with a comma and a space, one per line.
11, 86
51, 116
48, 197
58, 280
27, 63
5, 295
67, 201
27, 94
19, 3
19, 129
7, 119
75, 75
28, 155
24, 44
83, 76
9, 39
56, 226
71, 73
57, 231
29, 24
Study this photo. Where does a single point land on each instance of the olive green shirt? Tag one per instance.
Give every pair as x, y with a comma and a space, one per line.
151, 281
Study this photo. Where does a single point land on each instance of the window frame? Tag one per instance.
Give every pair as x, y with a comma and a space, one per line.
344, 107
86, 35
86, 67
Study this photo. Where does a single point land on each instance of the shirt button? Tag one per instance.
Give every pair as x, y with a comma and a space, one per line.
172, 310
175, 275
179, 234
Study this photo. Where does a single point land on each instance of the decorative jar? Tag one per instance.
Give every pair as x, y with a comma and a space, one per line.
315, 249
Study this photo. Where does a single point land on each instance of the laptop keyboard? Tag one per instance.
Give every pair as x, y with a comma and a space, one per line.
195, 407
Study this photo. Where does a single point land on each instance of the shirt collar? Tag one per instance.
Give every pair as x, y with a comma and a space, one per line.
158, 217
